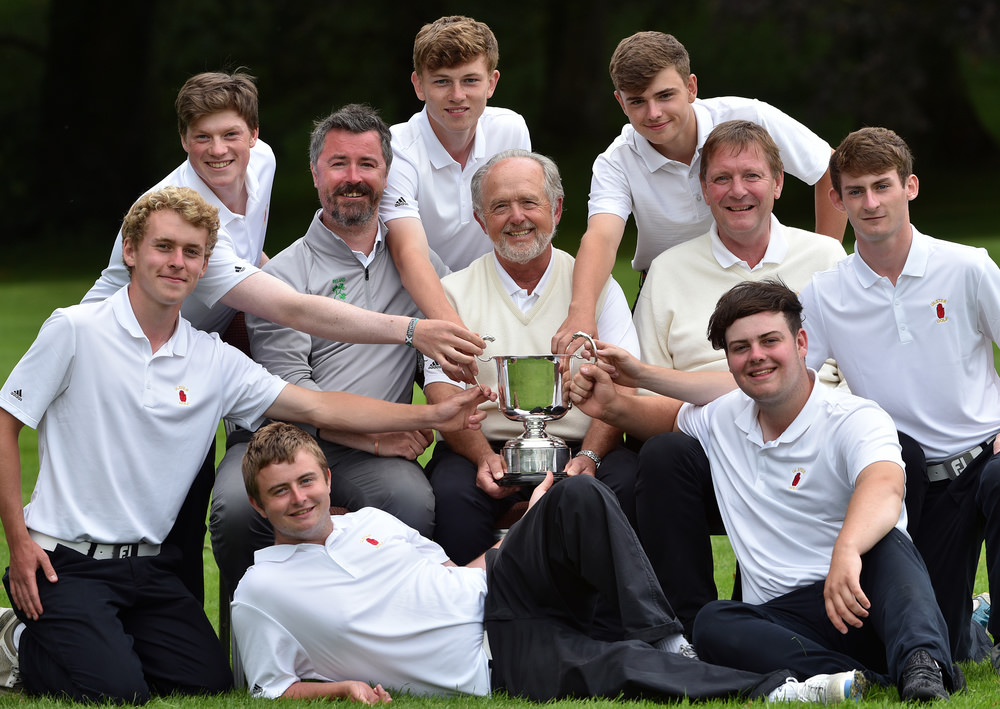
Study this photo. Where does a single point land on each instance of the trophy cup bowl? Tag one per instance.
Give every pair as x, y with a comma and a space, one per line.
530, 390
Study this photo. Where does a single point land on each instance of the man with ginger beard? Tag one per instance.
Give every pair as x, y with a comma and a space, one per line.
518, 294
342, 256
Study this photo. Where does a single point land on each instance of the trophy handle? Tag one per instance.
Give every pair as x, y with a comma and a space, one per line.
590, 341
486, 338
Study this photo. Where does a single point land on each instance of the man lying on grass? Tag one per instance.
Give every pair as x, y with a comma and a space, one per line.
350, 605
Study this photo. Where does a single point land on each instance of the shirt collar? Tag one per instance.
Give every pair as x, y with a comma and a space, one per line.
777, 247
654, 160
915, 266
441, 158
326, 241
747, 421
121, 306
510, 285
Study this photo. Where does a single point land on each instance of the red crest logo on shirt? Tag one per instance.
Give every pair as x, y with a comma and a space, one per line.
796, 478
939, 310
182, 395
371, 540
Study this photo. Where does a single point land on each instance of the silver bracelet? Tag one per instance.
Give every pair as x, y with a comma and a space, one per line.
592, 455
409, 332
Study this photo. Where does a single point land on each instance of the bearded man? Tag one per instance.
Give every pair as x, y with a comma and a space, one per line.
343, 256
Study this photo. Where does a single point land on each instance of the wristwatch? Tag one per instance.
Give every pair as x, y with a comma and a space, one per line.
592, 455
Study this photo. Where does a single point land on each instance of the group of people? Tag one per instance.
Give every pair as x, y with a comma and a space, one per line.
857, 523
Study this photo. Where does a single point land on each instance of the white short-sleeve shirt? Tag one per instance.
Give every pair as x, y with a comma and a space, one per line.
375, 603
236, 255
425, 181
923, 349
664, 195
783, 502
122, 431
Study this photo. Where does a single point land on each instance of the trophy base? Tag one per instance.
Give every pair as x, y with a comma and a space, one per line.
527, 479
528, 459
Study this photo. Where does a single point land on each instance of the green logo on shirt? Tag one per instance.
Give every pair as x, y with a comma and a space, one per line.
339, 288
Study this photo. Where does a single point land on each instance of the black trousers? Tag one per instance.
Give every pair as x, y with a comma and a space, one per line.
955, 517
464, 514
794, 631
119, 630
572, 553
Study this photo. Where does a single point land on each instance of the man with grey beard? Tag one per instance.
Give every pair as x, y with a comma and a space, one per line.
518, 293
342, 256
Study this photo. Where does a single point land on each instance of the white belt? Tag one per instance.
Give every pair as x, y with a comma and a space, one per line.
951, 468
94, 550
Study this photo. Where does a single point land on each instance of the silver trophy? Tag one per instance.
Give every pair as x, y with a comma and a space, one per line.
531, 390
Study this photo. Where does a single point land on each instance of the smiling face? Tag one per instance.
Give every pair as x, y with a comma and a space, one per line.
295, 499
517, 214
878, 206
456, 96
218, 147
350, 175
740, 190
662, 114
767, 359
167, 262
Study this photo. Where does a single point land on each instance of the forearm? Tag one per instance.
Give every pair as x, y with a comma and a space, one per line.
350, 413
471, 445
602, 437
642, 416
11, 505
594, 261
410, 252
267, 297
354, 690
695, 387
829, 220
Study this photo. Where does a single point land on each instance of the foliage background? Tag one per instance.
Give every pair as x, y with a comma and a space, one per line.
86, 101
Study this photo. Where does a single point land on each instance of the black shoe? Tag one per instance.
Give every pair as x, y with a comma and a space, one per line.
995, 657
921, 679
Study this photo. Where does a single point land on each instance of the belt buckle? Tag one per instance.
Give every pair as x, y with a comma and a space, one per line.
124, 551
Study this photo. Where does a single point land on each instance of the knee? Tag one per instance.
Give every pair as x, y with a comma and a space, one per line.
711, 633
673, 468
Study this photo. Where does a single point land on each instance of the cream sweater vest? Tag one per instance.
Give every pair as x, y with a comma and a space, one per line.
481, 300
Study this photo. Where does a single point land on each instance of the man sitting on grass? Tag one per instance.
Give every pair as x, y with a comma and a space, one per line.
345, 606
809, 481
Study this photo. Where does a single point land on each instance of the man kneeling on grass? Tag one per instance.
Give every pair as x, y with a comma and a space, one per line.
344, 606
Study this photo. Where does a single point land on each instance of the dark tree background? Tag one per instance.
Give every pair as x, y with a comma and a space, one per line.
87, 91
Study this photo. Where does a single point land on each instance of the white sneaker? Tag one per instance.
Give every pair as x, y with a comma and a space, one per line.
821, 689
9, 675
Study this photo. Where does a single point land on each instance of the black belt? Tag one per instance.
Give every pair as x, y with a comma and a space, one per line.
951, 468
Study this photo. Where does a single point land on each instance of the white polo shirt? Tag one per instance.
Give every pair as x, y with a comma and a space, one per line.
664, 195
783, 502
236, 255
426, 182
923, 349
122, 432
374, 604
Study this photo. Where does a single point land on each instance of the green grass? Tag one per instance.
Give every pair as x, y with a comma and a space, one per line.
24, 306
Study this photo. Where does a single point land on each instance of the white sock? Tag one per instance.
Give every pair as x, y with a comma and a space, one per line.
16, 637
671, 643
